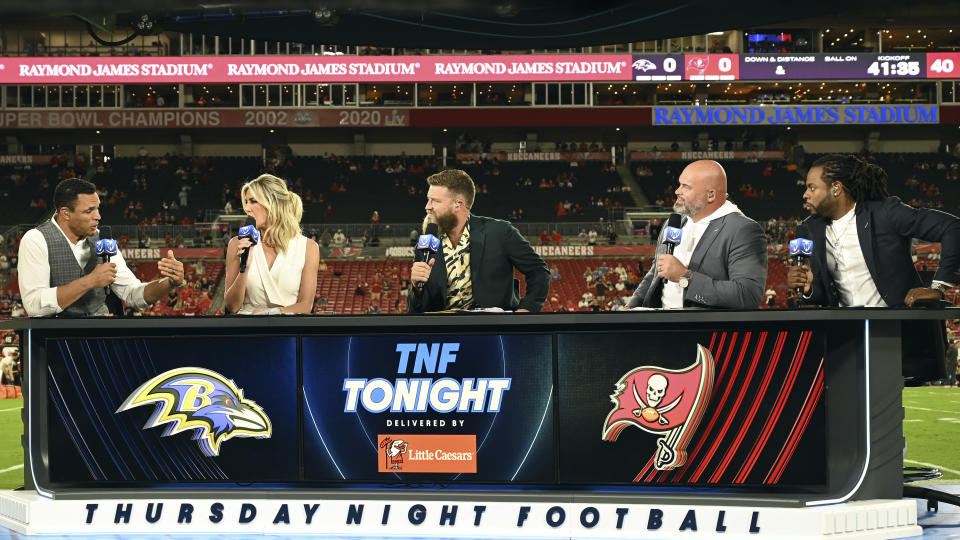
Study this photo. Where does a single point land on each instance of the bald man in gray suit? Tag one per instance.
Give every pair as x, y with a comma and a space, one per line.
721, 261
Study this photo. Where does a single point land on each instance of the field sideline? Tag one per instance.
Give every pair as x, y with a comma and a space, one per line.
931, 427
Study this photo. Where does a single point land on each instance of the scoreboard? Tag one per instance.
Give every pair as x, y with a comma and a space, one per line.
796, 67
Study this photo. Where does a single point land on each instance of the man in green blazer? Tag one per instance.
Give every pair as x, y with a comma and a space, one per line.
474, 267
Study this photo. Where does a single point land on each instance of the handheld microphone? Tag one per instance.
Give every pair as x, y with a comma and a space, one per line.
801, 249
672, 234
427, 247
106, 247
250, 232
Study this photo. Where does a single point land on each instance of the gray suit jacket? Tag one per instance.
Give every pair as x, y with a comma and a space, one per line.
729, 265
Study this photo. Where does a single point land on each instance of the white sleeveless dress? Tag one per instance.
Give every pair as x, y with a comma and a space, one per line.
277, 286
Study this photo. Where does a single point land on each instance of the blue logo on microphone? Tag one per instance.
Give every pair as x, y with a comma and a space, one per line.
106, 246
801, 247
250, 232
428, 241
672, 235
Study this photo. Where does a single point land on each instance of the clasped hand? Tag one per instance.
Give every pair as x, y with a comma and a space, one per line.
670, 267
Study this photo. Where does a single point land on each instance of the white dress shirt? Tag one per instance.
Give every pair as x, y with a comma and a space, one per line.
847, 266
692, 233
33, 275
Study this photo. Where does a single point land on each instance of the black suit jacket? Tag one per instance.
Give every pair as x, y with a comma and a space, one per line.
886, 229
496, 248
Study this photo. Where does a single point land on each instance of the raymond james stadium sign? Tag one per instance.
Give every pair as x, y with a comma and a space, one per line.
796, 115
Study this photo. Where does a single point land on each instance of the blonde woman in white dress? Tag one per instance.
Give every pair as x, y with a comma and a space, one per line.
281, 274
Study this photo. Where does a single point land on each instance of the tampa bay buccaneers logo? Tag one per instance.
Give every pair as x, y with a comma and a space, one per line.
201, 400
663, 402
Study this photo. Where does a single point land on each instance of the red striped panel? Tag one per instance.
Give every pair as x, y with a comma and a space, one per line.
752, 413
777, 409
799, 426
678, 473
717, 439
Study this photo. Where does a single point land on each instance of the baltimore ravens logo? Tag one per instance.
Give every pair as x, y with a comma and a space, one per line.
644, 65
201, 400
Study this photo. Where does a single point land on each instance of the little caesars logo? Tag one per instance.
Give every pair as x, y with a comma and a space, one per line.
427, 453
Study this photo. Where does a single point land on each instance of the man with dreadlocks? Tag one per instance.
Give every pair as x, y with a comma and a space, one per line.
862, 240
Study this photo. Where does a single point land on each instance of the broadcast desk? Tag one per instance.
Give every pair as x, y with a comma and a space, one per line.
769, 423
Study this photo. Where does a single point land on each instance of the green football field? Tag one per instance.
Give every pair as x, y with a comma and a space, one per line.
932, 429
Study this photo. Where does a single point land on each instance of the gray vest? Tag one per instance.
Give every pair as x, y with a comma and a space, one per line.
64, 269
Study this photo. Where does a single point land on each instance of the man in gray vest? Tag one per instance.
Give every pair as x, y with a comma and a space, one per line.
58, 270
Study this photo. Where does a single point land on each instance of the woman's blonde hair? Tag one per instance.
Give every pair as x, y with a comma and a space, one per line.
284, 209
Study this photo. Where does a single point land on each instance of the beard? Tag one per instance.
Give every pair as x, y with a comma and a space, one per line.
689, 208
445, 222
822, 209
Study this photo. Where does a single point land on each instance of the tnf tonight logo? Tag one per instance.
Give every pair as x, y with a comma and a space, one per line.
201, 400
663, 402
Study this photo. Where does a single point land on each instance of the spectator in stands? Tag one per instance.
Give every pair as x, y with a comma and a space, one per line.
203, 305
475, 266
376, 289
326, 238
58, 271
281, 276
862, 240
339, 239
721, 261
544, 238
556, 238
770, 297
10, 366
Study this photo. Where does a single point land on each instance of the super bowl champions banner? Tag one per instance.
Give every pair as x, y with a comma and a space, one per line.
727, 407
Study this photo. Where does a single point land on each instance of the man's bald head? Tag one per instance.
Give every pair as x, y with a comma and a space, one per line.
703, 189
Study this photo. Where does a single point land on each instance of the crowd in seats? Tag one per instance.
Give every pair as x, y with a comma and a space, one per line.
195, 297
349, 189
592, 284
548, 190
175, 190
761, 189
26, 191
356, 287
170, 189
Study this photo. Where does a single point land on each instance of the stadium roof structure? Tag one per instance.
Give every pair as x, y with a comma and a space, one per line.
477, 24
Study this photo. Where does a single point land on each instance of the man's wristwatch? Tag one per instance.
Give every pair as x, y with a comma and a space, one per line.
940, 287
685, 280
173, 284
